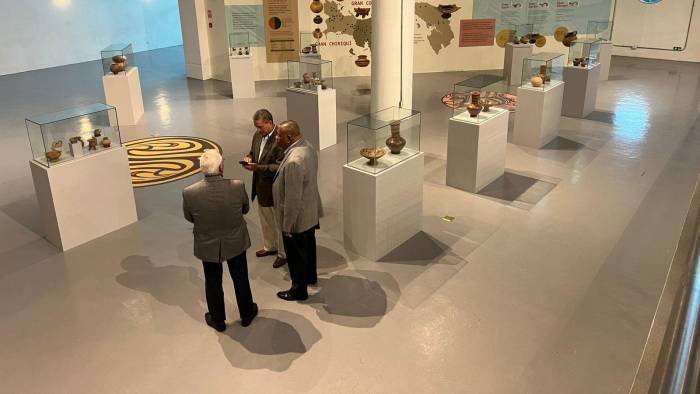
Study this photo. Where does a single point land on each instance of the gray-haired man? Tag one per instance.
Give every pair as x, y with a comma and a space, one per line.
216, 206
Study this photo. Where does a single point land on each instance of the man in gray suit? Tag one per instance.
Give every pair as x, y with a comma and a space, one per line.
297, 208
216, 206
263, 160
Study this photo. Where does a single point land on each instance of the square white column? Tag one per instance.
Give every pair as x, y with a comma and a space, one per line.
84, 198
123, 91
580, 90
242, 76
476, 149
513, 62
315, 113
538, 114
382, 211
605, 59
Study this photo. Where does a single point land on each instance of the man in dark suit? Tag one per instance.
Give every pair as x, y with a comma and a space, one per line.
263, 160
216, 206
297, 208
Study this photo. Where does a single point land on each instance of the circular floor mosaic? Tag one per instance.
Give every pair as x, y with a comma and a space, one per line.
159, 160
497, 99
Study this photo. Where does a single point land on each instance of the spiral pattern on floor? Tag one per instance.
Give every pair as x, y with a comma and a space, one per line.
158, 160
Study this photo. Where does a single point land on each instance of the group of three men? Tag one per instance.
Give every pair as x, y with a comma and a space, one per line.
284, 168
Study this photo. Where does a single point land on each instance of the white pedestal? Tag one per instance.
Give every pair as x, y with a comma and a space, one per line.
513, 62
123, 91
476, 149
242, 76
84, 198
538, 114
315, 114
605, 58
382, 211
580, 90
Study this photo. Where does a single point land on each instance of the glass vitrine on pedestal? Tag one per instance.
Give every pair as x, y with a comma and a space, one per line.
309, 74
239, 44
600, 30
472, 98
381, 140
117, 58
63, 136
584, 53
542, 70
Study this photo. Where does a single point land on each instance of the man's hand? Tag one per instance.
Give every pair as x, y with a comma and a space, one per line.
250, 166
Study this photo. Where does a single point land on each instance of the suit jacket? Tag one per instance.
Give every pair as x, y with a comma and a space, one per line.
266, 167
298, 204
216, 206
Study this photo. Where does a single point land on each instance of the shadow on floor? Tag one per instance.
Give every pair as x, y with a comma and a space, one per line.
25, 212
601, 116
420, 249
329, 260
561, 143
171, 284
350, 301
273, 341
511, 187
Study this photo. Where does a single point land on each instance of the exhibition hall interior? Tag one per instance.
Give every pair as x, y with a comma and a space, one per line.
485, 196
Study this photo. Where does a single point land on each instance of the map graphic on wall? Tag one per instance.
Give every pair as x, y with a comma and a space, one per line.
353, 25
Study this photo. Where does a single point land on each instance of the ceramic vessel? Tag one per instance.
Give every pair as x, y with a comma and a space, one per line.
324, 86
543, 73
362, 12
297, 84
570, 38
316, 6
362, 61
447, 10
536, 81
372, 154
318, 20
317, 33
106, 142
306, 78
116, 68
75, 140
486, 104
474, 107
53, 155
314, 48
92, 143
395, 142
305, 50
97, 132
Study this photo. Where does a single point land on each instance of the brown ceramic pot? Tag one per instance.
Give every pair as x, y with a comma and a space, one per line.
306, 78
318, 20
106, 142
116, 68
53, 155
474, 107
317, 33
316, 6
395, 142
362, 61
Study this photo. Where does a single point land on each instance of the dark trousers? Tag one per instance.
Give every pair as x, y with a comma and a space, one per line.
301, 258
213, 272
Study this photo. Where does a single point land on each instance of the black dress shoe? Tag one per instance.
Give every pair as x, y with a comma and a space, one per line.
290, 295
218, 326
245, 321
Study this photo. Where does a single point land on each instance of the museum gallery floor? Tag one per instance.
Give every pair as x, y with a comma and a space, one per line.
544, 282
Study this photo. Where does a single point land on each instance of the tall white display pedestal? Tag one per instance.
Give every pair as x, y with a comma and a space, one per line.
580, 90
382, 211
123, 91
538, 114
513, 62
605, 59
242, 76
84, 198
315, 114
476, 149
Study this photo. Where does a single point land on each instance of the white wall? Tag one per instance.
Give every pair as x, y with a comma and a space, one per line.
657, 26
47, 33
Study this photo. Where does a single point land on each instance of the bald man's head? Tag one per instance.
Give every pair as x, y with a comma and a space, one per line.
287, 133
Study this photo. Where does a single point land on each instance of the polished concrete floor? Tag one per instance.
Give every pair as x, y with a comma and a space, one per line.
545, 283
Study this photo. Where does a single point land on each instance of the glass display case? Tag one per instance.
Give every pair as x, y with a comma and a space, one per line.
383, 139
310, 74
63, 136
600, 30
542, 70
309, 44
239, 44
117, 58
584, 53
473, 98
